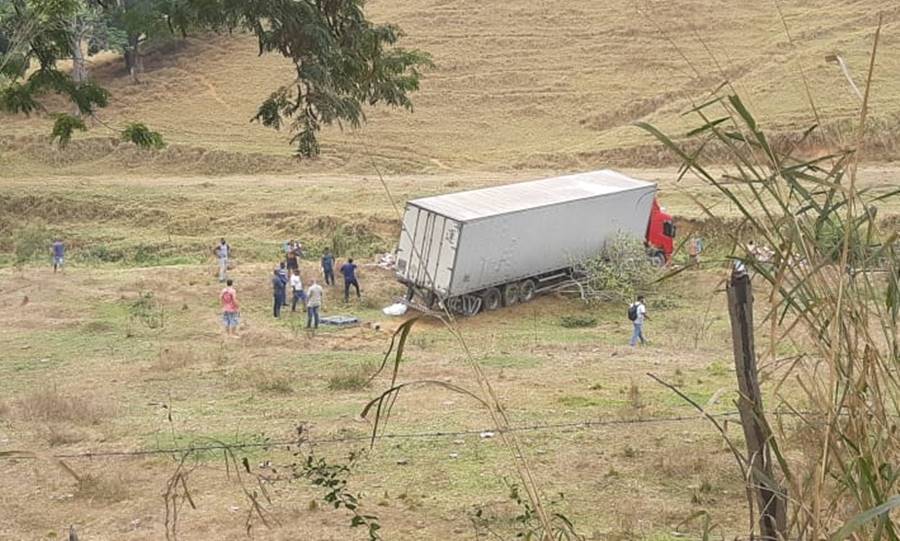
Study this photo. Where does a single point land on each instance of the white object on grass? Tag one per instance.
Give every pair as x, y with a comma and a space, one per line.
396, 309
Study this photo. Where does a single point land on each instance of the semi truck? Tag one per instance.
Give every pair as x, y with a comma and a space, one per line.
492, 247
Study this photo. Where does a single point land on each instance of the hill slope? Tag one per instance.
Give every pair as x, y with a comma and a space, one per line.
539, 84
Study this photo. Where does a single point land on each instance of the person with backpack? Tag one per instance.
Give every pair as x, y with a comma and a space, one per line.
637, 313
230, 310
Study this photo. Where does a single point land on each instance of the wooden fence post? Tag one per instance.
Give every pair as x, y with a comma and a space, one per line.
769, 496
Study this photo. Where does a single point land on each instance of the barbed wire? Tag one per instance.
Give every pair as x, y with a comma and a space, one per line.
218, 445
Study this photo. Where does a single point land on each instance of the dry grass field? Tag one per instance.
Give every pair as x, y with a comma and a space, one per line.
124, 351
534, 85
81, 374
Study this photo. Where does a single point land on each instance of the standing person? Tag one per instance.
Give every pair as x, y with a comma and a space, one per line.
222, 252
328, 267
297, 287
348, 269
277, 293
315, 297
695, 248
58, 252
293, 261
637, 313
230, 309
283, 274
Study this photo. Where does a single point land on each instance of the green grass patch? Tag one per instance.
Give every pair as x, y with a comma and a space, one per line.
510, 361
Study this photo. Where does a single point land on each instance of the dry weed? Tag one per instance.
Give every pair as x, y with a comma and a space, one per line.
58, 434
351, 378
173, 358
267, 382
55, 405
103, 488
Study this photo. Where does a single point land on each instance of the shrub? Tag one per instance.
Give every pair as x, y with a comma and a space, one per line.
575, 322
618, 272
53, 405
148, 311
101, 253
31, 241
351, 378
270, 383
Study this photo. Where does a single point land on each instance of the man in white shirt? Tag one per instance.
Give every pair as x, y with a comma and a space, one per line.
314, 300
297, 286
639, 311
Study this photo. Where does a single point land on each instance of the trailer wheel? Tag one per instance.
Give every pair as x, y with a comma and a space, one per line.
526, 290
510, 294
492, 299
466, 305
658, 259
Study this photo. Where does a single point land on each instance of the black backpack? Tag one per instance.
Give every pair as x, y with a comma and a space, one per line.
633, 312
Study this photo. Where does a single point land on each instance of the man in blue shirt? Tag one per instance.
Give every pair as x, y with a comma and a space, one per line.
283, 274
59, 254
348, 269
328, 267
278, 290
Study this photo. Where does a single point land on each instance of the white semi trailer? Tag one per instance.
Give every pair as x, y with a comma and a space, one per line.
486, 248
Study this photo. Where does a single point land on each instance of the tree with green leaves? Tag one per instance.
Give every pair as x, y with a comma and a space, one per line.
39, 34
343, 61
140, 22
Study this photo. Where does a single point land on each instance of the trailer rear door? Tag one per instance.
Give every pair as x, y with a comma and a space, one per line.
427, 249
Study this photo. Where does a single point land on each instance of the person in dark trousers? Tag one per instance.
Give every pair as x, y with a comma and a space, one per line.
292, 259
278, 287
348, 269
285, 279
58, 252
297, 287
328, 267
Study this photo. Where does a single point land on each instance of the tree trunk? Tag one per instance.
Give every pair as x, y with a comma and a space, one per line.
79, 67
133, 61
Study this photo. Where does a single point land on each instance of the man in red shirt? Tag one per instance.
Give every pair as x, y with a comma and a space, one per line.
230, 310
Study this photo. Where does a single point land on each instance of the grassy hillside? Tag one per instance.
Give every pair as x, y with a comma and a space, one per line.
538, 85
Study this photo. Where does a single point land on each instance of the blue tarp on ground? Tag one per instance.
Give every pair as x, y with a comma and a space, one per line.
340, 321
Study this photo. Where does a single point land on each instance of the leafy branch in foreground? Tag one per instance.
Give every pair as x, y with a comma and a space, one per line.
526, 523
332, 478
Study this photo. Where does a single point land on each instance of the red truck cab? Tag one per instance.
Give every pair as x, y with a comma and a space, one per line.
660, 233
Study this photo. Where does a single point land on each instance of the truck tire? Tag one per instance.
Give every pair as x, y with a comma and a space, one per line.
492, 299
526, 290
465, 305
657, 259
510, 294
